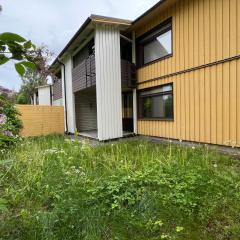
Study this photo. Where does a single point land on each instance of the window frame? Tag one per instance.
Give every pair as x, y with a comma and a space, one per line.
139, 103
143, 40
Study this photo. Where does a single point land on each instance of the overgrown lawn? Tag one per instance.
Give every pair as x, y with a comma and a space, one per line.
54, 188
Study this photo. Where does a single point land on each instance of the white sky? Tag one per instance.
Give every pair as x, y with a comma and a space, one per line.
53, 22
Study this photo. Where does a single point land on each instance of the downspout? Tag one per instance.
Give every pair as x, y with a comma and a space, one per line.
51, 95
65, 96
135, 89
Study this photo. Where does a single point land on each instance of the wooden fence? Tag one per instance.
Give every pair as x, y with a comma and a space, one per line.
41, 120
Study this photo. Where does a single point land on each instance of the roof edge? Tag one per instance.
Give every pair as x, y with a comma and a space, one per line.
96, 19
44, 86
111, 20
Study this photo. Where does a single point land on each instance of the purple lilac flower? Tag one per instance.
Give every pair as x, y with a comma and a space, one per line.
8, 133
3, 119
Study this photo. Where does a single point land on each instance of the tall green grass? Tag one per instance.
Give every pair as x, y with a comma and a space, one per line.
53, 188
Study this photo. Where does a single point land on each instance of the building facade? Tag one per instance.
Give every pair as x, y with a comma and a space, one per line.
183, 72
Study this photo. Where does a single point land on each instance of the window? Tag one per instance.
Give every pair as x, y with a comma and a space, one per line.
156, 44
156, 103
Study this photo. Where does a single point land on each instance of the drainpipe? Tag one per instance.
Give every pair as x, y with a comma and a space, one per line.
51, 95
134, 90
65, 96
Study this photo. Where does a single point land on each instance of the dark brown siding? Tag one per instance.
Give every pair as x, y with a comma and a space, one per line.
128, 74
57, 90
83, 75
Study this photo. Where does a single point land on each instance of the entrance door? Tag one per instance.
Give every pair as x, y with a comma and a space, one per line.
127, 105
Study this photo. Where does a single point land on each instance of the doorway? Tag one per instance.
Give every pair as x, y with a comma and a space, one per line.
127, 111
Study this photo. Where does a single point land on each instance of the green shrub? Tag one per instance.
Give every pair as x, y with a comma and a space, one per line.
22, 98
10, 124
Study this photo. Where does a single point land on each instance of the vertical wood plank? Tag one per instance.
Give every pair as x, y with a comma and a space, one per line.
238, 103
202, 104
196, 34
192, 106
225, 101
196, 106
233, 103
219, 104
238, 26
219, 29
206, 15
183, 113
233, 28
181, 37
213, 105
187, 106
186, 33
191, 34
226, 29
213, 30
201, 32
207, 105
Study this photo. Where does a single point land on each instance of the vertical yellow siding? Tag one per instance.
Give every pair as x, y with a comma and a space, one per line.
206, 99
219, 91
206, 106
238, 102
204, 31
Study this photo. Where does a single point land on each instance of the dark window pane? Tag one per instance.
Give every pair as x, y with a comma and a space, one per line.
147, 107
168, 106
156, 103
158, 106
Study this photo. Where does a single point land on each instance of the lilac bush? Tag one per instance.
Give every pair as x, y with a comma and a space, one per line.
10, 124
8, 133
3, 119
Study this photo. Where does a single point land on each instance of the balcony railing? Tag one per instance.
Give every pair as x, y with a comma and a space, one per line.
83, 75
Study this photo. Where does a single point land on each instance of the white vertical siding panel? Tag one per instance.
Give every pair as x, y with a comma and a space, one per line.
44, 97
134, 90
58, 102
69, 95
34, 99
108, 82
135, 110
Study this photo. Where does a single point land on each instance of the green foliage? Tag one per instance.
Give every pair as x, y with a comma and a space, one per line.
10, 124
11, 37
20, 69
33, 79
15, 47
56, 188
23, 98
11, 98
